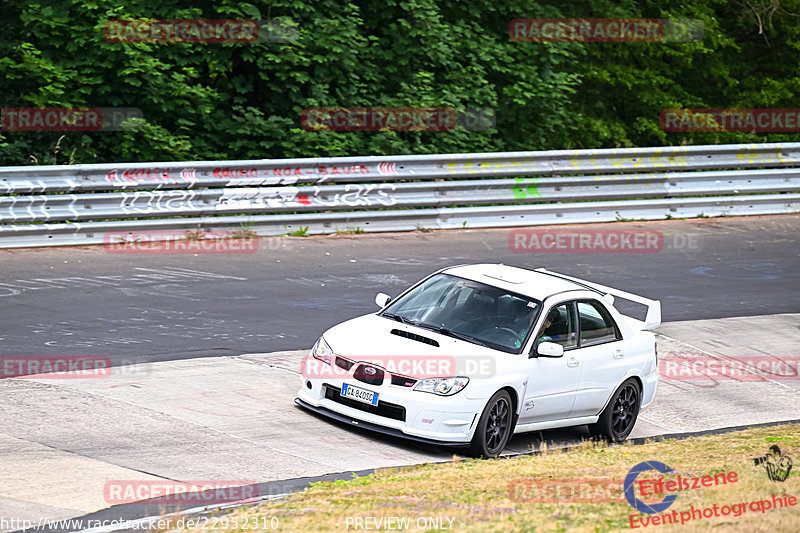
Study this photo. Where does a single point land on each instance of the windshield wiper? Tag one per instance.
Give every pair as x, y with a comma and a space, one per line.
449, 333
398, 318
462, 336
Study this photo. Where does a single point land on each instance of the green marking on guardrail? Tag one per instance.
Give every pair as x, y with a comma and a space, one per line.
531, 190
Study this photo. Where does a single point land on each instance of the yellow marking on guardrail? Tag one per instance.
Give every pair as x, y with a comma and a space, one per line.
745, 155
575, 160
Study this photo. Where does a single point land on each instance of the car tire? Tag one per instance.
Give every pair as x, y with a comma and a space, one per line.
618, 418
494, 426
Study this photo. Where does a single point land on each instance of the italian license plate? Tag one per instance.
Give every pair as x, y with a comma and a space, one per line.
348, 391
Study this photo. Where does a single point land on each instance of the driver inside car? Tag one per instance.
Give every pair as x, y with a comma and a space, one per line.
549, 331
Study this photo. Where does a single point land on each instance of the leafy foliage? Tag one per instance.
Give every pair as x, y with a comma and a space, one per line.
243, 101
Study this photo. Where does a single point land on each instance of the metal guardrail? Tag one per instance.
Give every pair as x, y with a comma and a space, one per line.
78, 204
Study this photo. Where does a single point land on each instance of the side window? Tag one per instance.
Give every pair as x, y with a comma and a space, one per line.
560, 326
596, 323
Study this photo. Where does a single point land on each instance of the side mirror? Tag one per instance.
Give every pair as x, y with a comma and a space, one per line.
382, 299
550, 349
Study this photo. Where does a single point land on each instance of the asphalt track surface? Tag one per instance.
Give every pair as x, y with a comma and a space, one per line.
145, 307
194, 407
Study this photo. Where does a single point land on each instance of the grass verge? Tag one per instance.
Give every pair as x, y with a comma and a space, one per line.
575, 490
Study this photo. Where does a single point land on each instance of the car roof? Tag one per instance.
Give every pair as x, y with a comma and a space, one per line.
538, 285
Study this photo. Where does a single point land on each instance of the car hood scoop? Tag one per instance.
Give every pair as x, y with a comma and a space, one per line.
414, 337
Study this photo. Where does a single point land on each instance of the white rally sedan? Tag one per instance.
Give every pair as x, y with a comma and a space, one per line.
472, 354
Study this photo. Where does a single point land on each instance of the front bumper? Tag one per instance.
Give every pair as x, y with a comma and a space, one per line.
372, 427
401, 411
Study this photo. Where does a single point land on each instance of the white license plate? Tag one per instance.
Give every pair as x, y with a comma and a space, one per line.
348, 391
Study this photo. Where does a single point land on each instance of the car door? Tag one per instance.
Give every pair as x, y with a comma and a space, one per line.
553, 381
601, 355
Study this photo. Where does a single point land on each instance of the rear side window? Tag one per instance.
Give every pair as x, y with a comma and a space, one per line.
596, 324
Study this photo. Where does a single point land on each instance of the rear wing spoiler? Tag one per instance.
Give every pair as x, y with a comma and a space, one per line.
651, 321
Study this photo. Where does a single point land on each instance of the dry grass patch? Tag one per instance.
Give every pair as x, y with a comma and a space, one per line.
473, 495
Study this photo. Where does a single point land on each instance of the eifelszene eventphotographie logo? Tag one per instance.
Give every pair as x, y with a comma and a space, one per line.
775, 463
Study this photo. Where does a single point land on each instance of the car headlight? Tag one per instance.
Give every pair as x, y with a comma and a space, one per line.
441, 386
322, 351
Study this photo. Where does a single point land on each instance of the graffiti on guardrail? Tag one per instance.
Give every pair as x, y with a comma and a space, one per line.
319, 187
151, 201
353, 195
317, 171
229, 174
766, 157
333, 170
254, 198
245, 176
187, 201
580, 162
490, 168
141, 175
525, 187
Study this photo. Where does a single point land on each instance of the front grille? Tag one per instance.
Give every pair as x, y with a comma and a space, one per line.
341, 362
403, 381
375, 379
384, 409
369, 374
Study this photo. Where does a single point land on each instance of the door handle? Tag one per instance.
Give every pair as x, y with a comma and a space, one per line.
572, 361
618, 353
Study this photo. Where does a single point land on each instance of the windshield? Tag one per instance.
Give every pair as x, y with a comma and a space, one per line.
468, 310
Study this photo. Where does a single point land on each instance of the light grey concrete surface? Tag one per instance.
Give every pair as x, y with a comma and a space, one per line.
692, 405
233, 418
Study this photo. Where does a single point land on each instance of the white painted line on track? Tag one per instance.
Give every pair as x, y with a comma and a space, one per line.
667, 428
